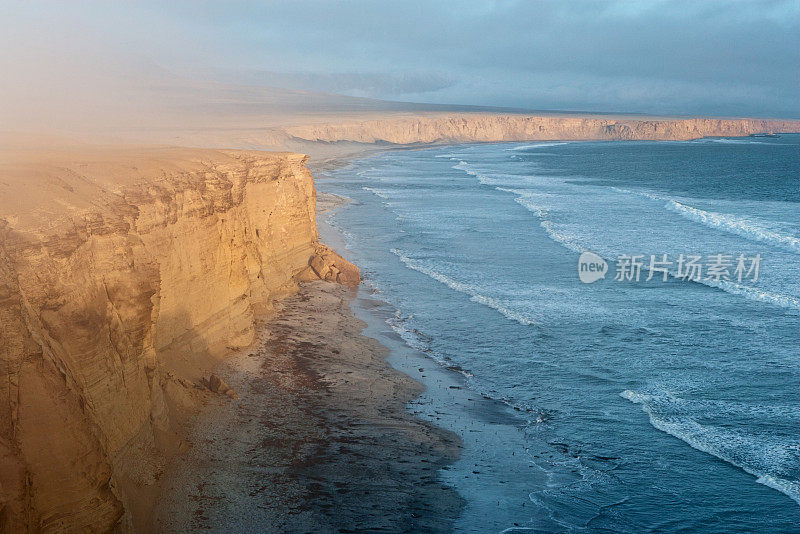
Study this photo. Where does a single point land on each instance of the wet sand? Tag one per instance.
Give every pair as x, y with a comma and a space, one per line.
319, 440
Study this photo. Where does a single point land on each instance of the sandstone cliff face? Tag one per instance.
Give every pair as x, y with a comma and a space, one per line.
122, 276
492, 128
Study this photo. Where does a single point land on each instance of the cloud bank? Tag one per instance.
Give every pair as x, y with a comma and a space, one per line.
664, 57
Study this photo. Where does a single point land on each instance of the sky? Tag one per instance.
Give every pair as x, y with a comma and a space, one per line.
707, 57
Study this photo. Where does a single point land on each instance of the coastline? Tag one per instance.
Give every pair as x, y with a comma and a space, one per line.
304, 449
369, 305
347, 268
178, 382
494, 439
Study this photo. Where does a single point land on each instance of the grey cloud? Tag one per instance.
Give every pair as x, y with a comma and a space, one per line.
656, 56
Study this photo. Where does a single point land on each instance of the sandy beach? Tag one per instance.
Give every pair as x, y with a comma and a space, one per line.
320, 439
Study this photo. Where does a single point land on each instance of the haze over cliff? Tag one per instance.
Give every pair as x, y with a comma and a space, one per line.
146, 105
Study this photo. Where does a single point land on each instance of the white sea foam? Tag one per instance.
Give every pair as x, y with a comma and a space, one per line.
754, 293
413, 340
725, 141
495, 179
349, 238
535, 145
377, 192
499, 180
365, 172
569, 241
742, 226
482, 178
528, 200
467, 289
731, 447
575, 244
747, 227
645, 194
788, 487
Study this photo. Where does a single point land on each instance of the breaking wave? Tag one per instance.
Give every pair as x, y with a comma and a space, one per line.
752, 455
467, 289
535, 145
377, 192
741, 226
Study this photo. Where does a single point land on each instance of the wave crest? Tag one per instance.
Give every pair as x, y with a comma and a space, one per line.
466, 289
731, 447
742, 226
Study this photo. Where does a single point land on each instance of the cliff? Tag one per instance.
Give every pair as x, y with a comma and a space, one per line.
124, 276
478, 127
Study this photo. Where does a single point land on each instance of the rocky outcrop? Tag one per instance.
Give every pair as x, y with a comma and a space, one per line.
328, 265
217, 385
477, 127
124, 276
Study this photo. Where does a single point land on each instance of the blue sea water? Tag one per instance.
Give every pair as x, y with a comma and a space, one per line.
656, 405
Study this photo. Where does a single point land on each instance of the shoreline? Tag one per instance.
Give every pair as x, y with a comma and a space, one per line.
496, 498
161, 384
137, 463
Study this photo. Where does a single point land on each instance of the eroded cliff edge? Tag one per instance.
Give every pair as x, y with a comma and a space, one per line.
124, 275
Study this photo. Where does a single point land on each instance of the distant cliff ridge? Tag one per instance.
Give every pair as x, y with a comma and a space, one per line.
494, 128
123, 276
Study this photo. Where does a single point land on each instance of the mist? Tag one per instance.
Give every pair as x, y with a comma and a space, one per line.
142, 64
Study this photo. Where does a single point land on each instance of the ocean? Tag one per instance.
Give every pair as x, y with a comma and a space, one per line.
668, 404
